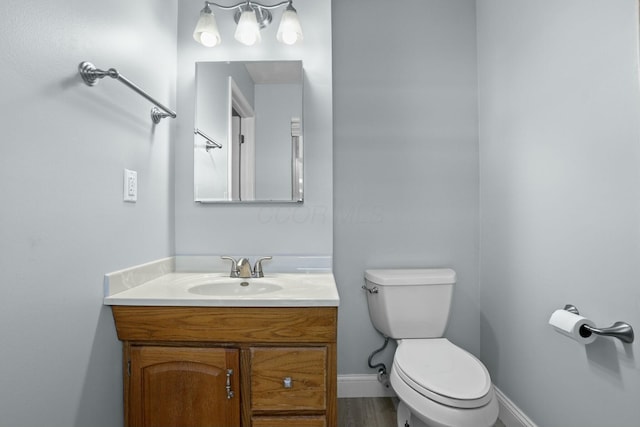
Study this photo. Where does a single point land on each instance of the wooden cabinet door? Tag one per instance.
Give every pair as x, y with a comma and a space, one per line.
184, 386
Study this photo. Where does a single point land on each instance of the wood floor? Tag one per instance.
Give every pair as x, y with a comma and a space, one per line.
370, 412
366, 412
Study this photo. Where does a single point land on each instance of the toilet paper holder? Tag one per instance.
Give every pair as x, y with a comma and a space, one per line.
621, 330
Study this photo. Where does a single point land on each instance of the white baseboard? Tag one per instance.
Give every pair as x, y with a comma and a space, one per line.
367, 385
510, 414
362, 385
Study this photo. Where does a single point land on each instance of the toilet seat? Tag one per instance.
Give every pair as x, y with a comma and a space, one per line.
443, 372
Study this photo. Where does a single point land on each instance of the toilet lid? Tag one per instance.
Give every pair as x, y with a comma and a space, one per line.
443, 372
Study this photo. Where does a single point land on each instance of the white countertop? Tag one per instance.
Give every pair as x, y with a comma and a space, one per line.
158, 284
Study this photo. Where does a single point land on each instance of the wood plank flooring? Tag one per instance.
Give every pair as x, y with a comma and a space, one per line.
370, 412
366, 412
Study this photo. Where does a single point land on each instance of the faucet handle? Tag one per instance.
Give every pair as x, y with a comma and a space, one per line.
257, 268
234, 266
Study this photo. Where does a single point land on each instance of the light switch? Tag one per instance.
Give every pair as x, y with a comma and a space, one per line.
130, 190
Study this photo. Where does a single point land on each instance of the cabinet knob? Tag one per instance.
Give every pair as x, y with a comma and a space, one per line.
287, 382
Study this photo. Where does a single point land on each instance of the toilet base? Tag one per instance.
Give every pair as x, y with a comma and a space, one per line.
405, 417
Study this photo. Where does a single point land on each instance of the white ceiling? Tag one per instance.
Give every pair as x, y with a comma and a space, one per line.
275, 72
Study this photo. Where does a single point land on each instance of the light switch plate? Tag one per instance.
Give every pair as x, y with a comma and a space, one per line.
130, 190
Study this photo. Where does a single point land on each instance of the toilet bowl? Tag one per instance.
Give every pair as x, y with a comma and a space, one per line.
442, 384
438, 383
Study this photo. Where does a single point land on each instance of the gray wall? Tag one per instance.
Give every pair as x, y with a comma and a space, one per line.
259, 228
63, 223
276, 104
405, 157
560, 203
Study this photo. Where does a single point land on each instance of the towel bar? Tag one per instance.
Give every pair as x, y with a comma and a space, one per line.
90, 74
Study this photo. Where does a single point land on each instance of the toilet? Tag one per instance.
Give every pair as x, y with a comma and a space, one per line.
438, 384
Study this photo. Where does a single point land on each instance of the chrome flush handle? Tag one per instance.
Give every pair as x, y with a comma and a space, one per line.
373, 290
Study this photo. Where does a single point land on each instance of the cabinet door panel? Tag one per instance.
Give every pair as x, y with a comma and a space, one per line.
288, 422
184, 387
289, 378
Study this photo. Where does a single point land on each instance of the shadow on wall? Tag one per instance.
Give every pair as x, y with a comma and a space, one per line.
99, 100
605, 356
105, 356
490, 352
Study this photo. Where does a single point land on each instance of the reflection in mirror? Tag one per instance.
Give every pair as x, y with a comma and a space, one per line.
248, 132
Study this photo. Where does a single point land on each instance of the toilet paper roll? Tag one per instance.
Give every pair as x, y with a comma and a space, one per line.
569, 324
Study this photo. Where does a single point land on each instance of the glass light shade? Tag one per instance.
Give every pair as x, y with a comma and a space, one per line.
206, 31
248, 29
289, 31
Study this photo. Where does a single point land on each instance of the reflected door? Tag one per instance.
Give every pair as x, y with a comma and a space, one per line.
242, 176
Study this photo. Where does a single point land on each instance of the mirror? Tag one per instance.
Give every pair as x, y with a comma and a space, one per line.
248, 132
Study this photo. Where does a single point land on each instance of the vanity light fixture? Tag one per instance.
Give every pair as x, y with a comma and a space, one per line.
251, 17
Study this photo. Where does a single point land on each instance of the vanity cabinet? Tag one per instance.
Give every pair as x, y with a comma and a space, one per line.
229, 366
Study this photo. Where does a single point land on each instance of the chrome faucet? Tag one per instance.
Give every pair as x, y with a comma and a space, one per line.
242, 267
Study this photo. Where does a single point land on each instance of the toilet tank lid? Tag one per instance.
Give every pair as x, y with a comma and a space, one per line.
411, 276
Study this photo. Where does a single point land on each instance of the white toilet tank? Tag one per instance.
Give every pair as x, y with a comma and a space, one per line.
410, 303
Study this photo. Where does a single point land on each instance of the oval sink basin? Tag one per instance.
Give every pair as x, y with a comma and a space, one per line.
235, 287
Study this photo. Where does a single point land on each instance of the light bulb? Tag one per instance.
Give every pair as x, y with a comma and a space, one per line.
209, 39
206, 31
248, 30
290, 30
